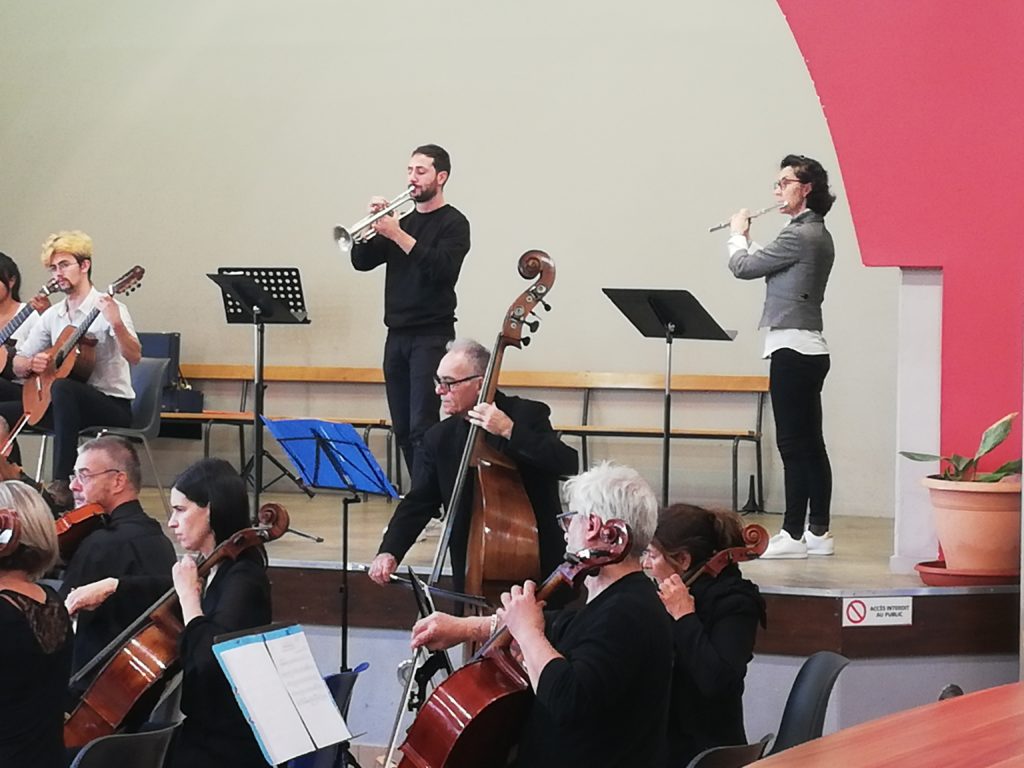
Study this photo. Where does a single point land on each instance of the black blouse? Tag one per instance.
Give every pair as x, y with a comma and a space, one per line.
35, 663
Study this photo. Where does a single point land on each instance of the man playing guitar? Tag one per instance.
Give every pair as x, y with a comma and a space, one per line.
106, 397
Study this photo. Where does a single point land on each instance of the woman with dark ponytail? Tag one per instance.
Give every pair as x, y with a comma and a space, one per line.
715, 624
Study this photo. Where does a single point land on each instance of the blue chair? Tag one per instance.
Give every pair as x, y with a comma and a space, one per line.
340, 685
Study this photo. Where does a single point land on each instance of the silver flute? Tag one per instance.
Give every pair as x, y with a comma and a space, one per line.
753, 215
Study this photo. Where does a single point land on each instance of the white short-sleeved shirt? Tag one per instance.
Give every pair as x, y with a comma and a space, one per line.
112, 375
22, 332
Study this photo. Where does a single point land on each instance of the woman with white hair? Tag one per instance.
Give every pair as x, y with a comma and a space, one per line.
35, 636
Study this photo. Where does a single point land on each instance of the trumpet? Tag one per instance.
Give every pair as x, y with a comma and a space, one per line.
753, 215
362, 230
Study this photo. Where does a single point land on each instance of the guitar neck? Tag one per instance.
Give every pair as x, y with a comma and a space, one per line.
15, 323
76, 336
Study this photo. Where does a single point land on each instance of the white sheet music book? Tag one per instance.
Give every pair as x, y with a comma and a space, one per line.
280, 690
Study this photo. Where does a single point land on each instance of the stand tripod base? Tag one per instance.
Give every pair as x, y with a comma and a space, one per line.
751, 505
249, 476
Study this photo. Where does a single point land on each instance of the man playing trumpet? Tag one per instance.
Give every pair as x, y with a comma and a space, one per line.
423, 252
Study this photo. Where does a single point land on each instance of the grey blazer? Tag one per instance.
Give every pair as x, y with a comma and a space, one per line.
795, 267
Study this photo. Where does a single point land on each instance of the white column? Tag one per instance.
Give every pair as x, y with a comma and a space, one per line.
918, 392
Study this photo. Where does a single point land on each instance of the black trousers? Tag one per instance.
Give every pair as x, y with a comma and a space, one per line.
795, 386
410, 363
74, 407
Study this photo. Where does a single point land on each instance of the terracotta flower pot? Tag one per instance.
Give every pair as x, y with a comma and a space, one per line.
978, 524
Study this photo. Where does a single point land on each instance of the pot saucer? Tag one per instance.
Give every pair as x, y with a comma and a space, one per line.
935, 574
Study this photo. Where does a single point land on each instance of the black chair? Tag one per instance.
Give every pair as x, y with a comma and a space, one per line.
167, 710
146, 749
803, 718
736, 756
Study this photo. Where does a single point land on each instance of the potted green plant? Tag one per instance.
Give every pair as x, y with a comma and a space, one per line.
977, 514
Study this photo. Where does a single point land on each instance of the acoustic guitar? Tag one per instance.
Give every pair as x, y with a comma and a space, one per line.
71, 351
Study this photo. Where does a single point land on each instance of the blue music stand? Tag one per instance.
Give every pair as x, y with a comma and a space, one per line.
332, 455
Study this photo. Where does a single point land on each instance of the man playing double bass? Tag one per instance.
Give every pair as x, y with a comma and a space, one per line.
519, 428
106, 398
601, 673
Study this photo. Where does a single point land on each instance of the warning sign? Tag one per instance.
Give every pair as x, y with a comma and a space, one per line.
878, 611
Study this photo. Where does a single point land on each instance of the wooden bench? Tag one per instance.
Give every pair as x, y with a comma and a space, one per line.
588, 383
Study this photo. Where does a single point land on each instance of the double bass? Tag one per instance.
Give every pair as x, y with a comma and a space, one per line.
146, 653
503, 546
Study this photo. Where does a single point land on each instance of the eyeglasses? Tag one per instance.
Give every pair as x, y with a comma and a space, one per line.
781, 183
564, 518
84, 475
446, 385
62, 266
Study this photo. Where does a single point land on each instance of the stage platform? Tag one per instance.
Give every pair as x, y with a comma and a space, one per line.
806, 598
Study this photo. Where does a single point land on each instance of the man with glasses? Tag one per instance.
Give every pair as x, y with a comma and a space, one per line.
519, 428
423, 253
106, 398
130, 543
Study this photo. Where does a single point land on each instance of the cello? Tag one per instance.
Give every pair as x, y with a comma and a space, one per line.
503, 547
147, 651
475, 716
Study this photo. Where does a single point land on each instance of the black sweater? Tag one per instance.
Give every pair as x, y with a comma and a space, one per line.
712, 649
419, 288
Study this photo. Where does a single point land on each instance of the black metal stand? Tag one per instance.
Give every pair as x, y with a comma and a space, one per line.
261, 295
668, 314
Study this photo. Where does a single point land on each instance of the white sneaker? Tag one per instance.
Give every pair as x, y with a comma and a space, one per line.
820, 545
782, 546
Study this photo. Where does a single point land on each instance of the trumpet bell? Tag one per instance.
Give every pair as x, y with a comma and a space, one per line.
363, 230
343, 239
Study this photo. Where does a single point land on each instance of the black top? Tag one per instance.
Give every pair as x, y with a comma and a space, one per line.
214, 732
712, 649
604, 705
419, 288
538, 451
131, 544
35, 663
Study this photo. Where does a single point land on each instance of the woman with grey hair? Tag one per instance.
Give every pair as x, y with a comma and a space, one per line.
35, 636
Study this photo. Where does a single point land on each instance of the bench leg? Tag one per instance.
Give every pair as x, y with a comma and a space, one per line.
760, 475
735, 474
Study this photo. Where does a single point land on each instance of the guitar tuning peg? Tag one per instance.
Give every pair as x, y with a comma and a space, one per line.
532, 325
545, 305
526, 341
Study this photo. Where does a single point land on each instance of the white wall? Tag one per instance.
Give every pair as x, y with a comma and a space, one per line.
197, 134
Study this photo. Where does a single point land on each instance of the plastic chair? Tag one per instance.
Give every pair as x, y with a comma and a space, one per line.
167, 710
138, 750
732, 756
340, 685
147, 381
803, 718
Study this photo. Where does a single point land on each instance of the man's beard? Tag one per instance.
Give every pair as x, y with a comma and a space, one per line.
426, 194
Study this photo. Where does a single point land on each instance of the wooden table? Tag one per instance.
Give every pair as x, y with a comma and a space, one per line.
977, 730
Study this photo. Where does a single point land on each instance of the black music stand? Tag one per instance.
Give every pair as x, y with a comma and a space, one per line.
667, 314
332, 455
261, 295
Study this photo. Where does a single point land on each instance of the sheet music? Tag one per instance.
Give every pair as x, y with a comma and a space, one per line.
260, 691
280, 690
308, 691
